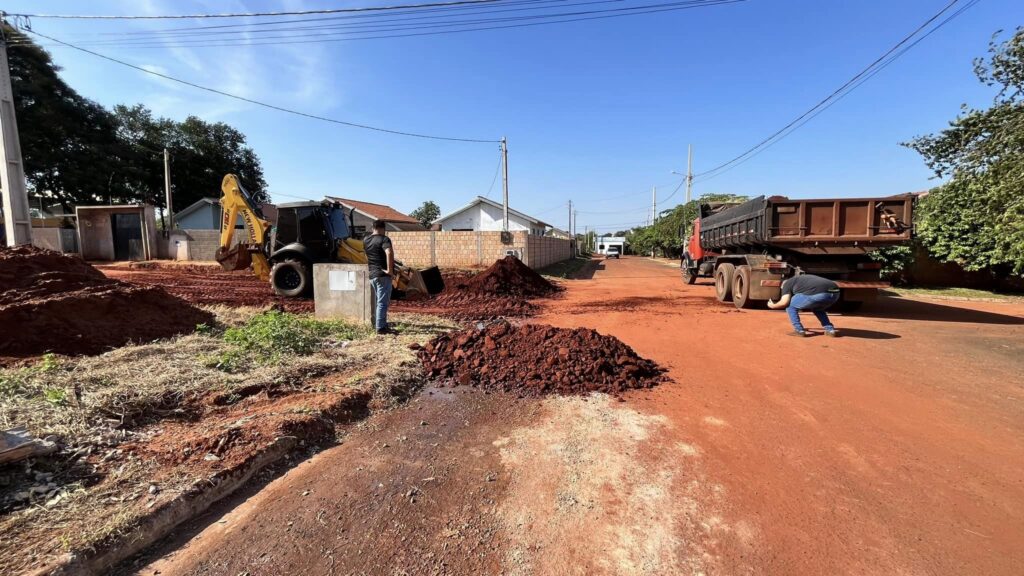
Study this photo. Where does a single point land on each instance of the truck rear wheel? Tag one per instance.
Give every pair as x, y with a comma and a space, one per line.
723, 282
291, 278
741, 288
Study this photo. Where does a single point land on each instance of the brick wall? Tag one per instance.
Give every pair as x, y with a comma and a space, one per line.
476, 249
203, 244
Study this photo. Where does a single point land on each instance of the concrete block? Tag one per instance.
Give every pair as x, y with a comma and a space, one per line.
342, 291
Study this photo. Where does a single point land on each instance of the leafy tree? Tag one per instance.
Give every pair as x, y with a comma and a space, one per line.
668, 234
426, 213
977, 218
77, 152
70, 151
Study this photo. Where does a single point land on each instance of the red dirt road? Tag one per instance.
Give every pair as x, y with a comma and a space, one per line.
896, 449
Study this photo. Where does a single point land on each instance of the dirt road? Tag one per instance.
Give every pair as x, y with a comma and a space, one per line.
896, 449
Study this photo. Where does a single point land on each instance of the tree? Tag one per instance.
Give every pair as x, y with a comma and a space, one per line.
426, 213
977, 218
69, 147
77, 152
668, 234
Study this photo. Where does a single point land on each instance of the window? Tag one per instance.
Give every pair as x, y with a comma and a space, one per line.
311, 229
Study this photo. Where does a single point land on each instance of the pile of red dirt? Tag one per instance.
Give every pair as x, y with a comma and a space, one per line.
535, 359
508, 277
50, 302
500, 291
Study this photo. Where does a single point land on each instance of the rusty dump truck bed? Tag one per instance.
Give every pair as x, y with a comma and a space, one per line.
840, 223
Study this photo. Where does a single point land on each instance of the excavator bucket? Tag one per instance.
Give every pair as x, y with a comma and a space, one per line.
234, 258
428, 280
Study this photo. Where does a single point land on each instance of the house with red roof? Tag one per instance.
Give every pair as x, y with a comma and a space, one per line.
364, 213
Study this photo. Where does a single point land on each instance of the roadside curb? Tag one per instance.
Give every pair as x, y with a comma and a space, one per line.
163, 518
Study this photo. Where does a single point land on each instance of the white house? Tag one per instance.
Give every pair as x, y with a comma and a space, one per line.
603, 242
483, 215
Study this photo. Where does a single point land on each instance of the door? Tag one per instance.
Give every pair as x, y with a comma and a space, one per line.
127, 236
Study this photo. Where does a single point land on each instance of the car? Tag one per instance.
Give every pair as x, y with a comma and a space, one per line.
613, 252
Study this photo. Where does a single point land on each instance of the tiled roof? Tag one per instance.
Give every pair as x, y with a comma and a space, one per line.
377, 211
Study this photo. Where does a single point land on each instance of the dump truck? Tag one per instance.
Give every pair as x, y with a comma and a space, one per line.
748, 248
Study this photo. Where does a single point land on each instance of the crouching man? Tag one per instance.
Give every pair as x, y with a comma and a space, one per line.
807, 293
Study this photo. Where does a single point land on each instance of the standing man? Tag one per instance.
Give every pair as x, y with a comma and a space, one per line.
807, 293
380, 258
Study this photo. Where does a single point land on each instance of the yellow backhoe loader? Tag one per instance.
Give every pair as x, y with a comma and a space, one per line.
305, 233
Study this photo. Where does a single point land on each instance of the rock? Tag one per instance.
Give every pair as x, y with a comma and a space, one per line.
211, 458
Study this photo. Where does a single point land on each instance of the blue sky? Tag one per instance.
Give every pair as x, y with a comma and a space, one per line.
596, 112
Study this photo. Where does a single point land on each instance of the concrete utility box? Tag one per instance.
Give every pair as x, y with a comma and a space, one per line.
342, 291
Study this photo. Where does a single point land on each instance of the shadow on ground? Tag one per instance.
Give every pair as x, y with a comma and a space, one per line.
907, 309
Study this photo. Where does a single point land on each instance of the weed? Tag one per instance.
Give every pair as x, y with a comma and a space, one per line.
269, 336
55, 396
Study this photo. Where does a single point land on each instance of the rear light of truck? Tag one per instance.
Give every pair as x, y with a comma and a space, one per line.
775, 265
869, 266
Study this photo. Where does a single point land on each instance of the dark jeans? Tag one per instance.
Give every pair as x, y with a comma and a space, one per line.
382, 294
816, 303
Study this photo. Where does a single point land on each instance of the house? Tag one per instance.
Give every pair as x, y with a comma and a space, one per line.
364, 214
486, 215
205, 214
604, 242
125, 232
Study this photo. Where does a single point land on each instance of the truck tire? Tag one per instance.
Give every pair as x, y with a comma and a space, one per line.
291, 278
723, 282
741, 287
689, 274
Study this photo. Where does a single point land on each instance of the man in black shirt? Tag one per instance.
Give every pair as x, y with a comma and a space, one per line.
380, 258
808, 293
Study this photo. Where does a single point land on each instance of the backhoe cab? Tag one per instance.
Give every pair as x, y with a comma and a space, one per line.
306, 233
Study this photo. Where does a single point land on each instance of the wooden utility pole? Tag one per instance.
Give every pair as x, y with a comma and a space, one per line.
17, 219
504, 181
689, 170
167, 191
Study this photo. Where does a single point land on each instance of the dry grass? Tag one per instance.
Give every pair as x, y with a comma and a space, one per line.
93, 404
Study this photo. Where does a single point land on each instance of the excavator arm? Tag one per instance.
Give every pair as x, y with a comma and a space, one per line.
235, 202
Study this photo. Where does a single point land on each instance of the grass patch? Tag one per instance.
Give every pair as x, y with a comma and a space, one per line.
93, 405
566, 268
958, 293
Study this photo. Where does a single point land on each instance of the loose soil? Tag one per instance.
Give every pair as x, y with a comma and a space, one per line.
884, 451
535, 359
50, 302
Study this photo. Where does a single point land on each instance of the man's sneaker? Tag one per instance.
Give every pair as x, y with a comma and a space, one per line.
833, 333
800, 333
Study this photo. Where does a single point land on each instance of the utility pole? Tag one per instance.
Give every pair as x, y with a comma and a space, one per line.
568, 230
689, 170
17, 220
167, 191
654, 204
504, 181
574, 229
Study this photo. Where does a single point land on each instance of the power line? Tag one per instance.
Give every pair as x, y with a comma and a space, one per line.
348, 36
246, 15
840, 92
264, 104
496, 172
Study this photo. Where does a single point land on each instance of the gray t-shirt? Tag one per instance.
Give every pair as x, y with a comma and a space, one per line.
376, 259
809, 285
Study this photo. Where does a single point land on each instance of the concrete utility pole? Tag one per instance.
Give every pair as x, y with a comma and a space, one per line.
568, 230
654, 205
17, 220
167, 191
689, 170
504, 181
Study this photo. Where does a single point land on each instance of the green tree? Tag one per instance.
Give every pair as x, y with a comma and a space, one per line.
70, 151
426, 213
668, 235
977, 218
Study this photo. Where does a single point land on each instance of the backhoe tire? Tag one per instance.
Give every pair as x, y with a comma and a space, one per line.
723, 282
741, 288
291, 278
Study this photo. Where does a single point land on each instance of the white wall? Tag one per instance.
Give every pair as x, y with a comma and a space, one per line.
486, 218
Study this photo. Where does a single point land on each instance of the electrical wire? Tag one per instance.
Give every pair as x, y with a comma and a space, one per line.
244, 15
350, 36
839, 93
496, 172
264, 104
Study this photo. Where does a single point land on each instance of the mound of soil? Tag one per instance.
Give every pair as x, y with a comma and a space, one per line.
508, 277
500, 291
535, 359
50, 302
